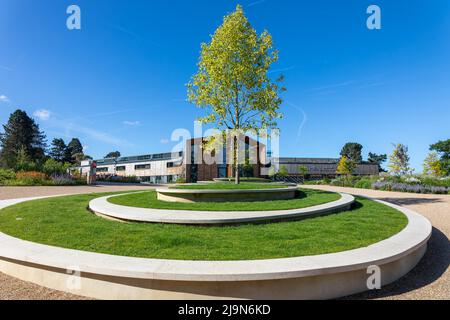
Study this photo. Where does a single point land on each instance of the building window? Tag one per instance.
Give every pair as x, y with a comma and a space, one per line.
147, 157
142, 167
121, 168
170, 164
102, 170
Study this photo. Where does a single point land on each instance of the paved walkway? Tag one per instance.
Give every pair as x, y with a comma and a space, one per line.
30, 192
429, 280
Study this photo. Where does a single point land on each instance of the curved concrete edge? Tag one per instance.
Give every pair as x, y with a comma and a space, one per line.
313, 277
102, 207
213, 195
225, 191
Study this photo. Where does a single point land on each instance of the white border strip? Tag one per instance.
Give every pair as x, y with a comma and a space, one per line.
103, 207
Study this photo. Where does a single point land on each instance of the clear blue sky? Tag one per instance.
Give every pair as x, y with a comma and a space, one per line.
119, 83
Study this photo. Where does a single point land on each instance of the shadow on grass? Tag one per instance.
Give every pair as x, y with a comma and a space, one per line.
432, 266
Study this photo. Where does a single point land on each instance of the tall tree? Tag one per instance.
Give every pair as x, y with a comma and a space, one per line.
21, 133
399, 161
23, 161
303, 171
443, 149
58, 150
346, 166
75, 146
352, 151
114, 154
232, 82
378, 159
74, 151
432, 165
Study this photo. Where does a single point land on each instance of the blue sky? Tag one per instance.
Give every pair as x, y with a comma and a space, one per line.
119, 83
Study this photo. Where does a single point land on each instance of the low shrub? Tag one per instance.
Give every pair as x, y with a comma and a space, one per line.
6, 174
63, 180
53, 167
364, 184
432, 181
32, 178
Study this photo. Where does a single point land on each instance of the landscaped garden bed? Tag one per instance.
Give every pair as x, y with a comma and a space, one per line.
35, 178
411, 183
66, 222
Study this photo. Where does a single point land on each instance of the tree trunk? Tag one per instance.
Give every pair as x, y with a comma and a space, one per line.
236, 164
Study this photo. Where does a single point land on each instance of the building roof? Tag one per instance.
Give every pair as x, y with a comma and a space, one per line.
307, 160
142, 158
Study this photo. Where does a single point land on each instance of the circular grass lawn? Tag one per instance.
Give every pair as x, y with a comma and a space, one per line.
304, 198
66, 222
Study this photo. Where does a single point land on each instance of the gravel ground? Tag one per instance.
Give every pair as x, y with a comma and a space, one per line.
429, 280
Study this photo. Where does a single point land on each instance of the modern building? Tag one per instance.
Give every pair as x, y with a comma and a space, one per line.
195, 163
153, 168
319, 168
205, 165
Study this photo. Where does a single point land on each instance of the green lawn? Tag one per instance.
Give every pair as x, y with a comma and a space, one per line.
230, 186
305, 198
65, 222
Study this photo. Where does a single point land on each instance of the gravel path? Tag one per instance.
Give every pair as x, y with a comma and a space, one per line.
429, 280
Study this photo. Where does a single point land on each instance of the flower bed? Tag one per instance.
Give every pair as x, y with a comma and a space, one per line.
405, 187
35, 178
412, 183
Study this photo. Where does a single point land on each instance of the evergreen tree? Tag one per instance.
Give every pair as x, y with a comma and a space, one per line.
59, 150
75, 146
443, 149
352, 151
378, 159
114, 154
21, 133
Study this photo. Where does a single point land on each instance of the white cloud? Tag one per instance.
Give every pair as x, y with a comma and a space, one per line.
255, 3
43, 114
164, 141
132, 123
4, 98
6, 68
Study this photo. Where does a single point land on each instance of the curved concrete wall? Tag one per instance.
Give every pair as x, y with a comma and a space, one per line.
315, 277
102, 207
192, 196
